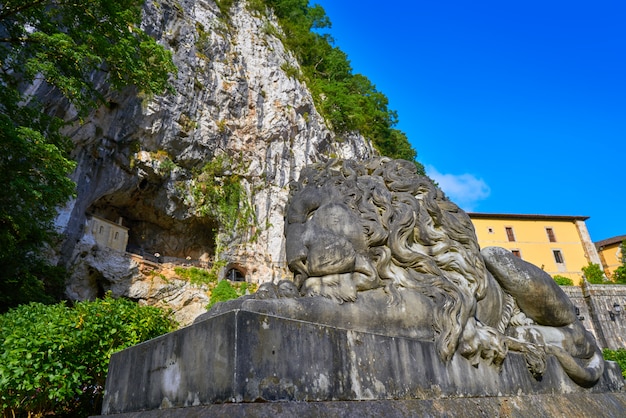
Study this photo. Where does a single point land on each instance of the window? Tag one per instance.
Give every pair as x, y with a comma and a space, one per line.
101, 230
558, 257
116, 235
517, 253
509, 233
550, 233
234, 275
490, 230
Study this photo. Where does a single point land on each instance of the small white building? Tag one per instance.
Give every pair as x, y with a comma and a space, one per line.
108, 234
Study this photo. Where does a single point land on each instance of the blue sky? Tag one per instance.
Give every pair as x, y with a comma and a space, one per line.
513, 107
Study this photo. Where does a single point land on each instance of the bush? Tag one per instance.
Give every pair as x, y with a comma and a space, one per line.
563, 281
618, 356
594, 274
222, 292
54, 359
196, 275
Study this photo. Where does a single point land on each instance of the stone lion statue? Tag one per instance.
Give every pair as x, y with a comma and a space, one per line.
376, 247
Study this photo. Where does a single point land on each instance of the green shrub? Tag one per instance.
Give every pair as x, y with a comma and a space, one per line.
290, 70
618, 356
167, 166
563, 281
223, 291
594, 274
196, 275
224, 6
54, 359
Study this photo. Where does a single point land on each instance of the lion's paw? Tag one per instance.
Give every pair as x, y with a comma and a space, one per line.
530, 343
482, 342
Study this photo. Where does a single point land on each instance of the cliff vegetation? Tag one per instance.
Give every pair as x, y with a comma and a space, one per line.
349, 102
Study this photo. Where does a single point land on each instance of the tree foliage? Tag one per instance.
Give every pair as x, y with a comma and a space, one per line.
619, 275
348, 101
54, 359
594, 274
222, 292
67, 42
618, 356
81, 49
33, 171
563, 281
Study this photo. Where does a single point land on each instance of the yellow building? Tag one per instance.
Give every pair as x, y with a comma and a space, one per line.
610, 253
560, 245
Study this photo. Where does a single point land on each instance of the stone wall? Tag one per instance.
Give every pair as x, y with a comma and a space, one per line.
601, 310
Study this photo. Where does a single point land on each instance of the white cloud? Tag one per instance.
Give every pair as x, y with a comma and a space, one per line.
466, 190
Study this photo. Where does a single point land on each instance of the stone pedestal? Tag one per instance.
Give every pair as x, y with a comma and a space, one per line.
247, 363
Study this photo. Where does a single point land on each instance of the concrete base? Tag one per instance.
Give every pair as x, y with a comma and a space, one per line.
241, 358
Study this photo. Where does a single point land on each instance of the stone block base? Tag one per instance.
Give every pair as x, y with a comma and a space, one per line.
241, 359
597, 405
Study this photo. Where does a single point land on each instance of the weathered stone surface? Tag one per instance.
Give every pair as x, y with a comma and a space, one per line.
243, 356
599, 405
608, 319
544, 300
369, 313
98, 269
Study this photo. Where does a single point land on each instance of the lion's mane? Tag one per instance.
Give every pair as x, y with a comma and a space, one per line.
417, 238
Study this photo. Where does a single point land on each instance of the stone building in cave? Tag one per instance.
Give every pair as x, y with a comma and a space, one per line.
107, 233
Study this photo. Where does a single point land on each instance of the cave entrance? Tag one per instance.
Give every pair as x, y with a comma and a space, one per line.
151, 230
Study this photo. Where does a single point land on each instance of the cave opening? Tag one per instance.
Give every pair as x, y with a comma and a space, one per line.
151, 232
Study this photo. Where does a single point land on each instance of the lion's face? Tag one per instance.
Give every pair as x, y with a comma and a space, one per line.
326, 246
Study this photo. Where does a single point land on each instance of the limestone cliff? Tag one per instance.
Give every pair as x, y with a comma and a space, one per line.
140, 158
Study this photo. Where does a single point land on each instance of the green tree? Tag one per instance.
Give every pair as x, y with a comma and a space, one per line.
82, 49
54, 359
594, 274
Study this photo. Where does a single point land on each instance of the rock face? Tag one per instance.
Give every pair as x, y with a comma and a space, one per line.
139, 157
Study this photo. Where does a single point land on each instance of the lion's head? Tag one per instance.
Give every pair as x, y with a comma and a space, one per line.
356, 226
